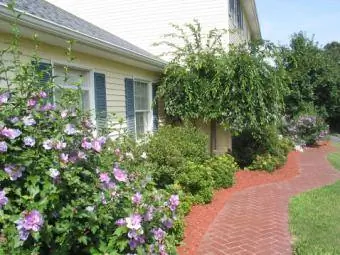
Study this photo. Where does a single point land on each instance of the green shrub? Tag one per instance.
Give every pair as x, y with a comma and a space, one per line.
223, 169
172, 145
267, 162
196, 180
171, 148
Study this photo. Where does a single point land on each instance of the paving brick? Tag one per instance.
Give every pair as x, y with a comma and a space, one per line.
255, 221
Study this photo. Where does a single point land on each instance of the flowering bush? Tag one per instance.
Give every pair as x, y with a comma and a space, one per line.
306, 129
62, 190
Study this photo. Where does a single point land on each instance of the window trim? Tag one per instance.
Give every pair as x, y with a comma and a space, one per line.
88, 80
149, 128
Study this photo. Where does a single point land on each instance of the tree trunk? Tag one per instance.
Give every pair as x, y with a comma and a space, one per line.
212, 136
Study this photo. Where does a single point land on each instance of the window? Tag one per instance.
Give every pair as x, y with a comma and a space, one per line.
235, 12
75, 78
143, 114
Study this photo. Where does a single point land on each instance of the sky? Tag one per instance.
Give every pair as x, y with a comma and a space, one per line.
279, 19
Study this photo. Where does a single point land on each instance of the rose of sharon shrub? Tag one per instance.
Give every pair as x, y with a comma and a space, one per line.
306, 129
62, 191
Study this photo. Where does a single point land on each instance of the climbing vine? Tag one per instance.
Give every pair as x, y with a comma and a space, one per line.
240, 88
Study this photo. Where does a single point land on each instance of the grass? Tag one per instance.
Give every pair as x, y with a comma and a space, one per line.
315, 221
334, 159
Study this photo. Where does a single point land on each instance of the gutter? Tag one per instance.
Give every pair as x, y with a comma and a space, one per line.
45, 25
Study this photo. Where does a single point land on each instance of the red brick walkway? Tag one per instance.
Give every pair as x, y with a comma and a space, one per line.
255, 220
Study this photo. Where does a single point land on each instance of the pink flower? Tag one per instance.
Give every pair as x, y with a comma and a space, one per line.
31, 102
137, 198
96, 145
173, 202
3, 198
10, 133
64, 114
4, 98
104, 177
3, 146
64, 158
119, 174
59, 145
134, 221
32, 221
47, 107
42, 94
86, 144
14, 171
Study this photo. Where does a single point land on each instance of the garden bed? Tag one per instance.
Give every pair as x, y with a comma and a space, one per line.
201, 216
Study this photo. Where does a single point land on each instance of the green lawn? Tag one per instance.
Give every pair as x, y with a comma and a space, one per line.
334, 159
315, 221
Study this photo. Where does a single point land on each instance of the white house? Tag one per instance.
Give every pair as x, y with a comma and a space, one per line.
144, 22
116, 76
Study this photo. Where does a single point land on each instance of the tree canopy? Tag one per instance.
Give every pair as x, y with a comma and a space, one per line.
241, 87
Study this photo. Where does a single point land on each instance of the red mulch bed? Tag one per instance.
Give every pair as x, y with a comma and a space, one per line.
201, 216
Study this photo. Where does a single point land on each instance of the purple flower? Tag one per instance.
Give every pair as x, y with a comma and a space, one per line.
4, 98
117, 152
119, 174
31, 102
14, 120
54, 173
3, 147
29, 141
167, 223
134, 221
14, 171
81, 155
73, 157
70, 129
64, 158
28, 120
31, 221
59, 145
162, 249
104, 177
101, 140
96, 145
149, 213
87, 124
86, 144
137, 198
42, 94
120, 222
48, 144
3, 199
10, 133
133, 244
159, 234
47, 107
173, 202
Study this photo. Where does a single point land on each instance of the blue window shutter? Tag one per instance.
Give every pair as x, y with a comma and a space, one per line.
100, 98
154, 107
130, 106
45, 73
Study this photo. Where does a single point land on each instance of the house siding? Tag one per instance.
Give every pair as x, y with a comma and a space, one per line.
115, 72
144, 22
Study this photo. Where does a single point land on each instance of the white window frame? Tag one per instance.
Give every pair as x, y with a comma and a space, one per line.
149, 128
88, 82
